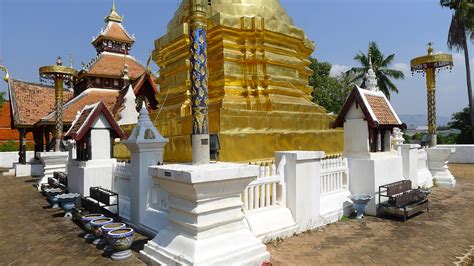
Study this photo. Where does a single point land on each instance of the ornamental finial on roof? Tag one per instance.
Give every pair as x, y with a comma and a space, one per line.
370, 77
113, 16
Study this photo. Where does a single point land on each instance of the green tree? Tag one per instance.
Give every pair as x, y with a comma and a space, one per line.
2, 98
380, 65
460, 120
461, 28
328, 91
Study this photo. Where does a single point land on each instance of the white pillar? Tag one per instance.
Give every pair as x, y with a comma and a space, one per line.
146, 146
303, 181
410, 162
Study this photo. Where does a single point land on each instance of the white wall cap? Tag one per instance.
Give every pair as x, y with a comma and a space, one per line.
303, 155
193, 174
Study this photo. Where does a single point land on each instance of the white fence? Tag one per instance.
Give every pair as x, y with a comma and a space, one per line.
334, 175
265, 191
121, 185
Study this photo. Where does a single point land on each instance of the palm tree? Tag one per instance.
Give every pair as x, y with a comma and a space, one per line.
459, 30
380, 65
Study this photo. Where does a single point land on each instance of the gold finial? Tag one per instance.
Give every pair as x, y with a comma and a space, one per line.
370, 60
58, 61
430, 48
7, 76
113, 16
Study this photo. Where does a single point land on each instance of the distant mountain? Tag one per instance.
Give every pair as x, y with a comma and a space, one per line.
413, 121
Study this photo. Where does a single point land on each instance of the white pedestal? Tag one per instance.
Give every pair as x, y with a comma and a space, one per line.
53, 162
85, 174
22, 170
438, 165
367, 174
206, 220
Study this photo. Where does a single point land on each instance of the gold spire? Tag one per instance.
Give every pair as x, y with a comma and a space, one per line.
430, 48
113, 16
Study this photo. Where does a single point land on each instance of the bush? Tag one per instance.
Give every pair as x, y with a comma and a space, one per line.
9, 146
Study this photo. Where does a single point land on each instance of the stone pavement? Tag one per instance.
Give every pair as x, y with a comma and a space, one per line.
33, 233
437, 237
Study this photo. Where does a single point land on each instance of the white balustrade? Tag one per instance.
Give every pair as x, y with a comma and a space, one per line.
333, 174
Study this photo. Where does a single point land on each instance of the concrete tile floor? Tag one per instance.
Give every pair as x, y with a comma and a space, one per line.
33, 233
437, 237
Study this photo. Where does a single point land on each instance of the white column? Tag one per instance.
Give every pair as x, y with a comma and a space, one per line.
303, 180
410, 162
146, 146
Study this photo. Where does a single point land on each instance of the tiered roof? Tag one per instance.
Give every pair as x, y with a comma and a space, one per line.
110, 64
87, 97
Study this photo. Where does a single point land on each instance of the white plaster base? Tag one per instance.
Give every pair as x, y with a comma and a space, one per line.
22, 170
206, 221
270, 223
366, 175
85, 174
438, 165
9, 172
52, 162
425, 179
239, 247
334, 205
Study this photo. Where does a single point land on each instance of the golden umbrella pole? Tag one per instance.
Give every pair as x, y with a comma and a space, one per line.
59, 74
429, 64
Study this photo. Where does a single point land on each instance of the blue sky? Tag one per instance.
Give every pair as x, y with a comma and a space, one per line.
33, 33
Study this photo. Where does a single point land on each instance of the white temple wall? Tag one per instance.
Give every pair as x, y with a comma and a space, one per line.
464, 153
357, 142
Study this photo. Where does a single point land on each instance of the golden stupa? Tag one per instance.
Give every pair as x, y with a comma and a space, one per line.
259, 97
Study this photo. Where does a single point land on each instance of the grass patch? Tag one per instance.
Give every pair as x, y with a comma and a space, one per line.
344, 218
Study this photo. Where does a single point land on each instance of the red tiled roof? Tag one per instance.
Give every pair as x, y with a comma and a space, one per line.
109, 64
88, 116
31, 102
375, 107
114, 31
382, 111
88, 97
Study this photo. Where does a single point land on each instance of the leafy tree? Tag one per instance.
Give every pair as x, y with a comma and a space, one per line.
380, 65
461, 28
460, 120
2, 98
328, 91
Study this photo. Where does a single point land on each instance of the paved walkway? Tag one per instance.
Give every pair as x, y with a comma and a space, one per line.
33, 233
437, 237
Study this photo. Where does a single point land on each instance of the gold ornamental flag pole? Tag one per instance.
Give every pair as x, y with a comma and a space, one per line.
429, 64
59, 74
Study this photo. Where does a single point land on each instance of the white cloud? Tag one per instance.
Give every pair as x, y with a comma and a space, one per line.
336, 70
403, 68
